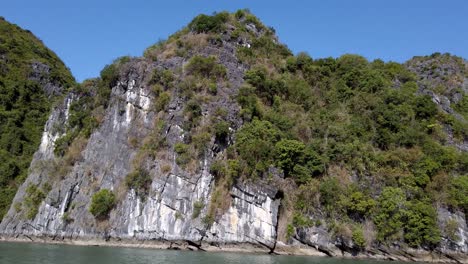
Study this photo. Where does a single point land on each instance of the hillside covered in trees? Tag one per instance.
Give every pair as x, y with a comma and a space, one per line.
363, 154
31, 77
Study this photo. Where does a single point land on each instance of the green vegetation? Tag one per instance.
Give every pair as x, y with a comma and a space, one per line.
24, 102
33, 199
358, 146
357, 141
87, 112
163, 101
193, 113
225, 172
458, 193
183, 153
164, 78
421, 225
296, 160
462, 106
358, 238
451, 230
197, 208
206, 67
256, 143
204, 23
67, 218
102, 203
221, 130
140, 181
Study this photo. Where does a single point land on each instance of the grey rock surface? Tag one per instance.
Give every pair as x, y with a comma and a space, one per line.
40, 73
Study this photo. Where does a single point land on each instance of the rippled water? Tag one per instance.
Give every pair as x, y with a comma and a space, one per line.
25, 253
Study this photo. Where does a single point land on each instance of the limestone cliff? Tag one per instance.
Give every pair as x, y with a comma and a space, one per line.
167, 213
169, 117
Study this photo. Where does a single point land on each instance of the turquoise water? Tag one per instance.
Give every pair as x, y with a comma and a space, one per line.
25, 253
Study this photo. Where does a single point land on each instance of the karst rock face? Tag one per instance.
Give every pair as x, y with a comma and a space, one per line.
183, 200
167, 213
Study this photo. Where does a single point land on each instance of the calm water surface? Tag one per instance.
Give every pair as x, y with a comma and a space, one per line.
24, 253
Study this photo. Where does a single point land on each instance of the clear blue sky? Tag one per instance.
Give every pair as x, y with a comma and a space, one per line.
87, 34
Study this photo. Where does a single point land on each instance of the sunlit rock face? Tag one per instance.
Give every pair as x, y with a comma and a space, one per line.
168, 211
252, 217
458, 241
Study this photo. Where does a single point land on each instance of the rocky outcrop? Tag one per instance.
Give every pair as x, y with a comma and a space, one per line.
252, 217
457, 241
41, 73
443, 77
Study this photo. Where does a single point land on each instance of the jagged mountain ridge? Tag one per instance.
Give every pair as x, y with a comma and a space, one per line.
157, 138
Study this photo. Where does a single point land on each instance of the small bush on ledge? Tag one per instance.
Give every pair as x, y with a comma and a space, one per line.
140, 181
205, 23
34, 198
197, 208
206, 67
102, 203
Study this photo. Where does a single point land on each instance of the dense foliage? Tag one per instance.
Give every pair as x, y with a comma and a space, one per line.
361, 128
204, 23
102, 203
34, 197
358, 143
24, 102
140, 181
351, 120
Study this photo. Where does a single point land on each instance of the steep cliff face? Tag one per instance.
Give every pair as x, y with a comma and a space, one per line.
219, 137
168, 211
